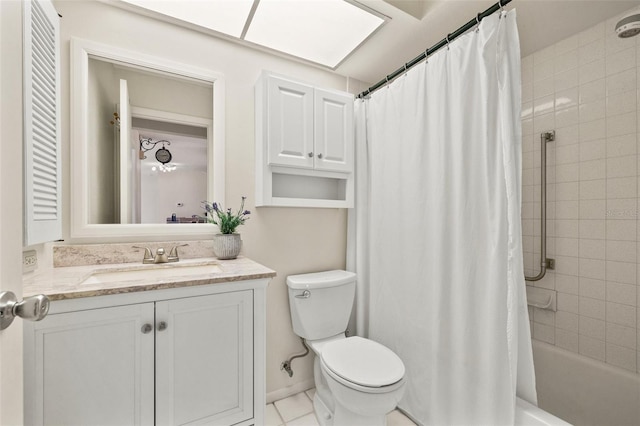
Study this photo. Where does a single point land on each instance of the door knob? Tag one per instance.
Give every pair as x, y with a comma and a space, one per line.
32, 308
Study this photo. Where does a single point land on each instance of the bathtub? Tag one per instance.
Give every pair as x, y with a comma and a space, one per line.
530, 415
583, 391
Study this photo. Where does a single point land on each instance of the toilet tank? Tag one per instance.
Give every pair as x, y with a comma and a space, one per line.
321, 303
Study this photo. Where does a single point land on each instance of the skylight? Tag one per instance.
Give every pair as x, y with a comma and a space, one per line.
320, 31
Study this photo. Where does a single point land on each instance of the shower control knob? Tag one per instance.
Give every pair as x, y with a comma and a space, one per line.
310, 155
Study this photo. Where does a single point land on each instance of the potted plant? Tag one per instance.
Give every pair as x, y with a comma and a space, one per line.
227, 244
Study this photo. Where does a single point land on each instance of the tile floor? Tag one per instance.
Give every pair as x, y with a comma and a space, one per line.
297, 410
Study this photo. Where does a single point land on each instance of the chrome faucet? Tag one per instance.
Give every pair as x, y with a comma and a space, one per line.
161, 255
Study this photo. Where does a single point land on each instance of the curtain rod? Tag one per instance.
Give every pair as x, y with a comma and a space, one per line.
439, 45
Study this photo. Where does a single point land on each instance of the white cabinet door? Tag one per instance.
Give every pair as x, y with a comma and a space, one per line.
91, 367
204, 359
290, 123
333, 131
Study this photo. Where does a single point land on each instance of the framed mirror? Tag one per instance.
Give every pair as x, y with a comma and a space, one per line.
147, 144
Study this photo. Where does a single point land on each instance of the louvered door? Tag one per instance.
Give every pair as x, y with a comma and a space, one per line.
42, 175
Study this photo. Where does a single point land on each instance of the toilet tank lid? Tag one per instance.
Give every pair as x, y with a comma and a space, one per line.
320, 279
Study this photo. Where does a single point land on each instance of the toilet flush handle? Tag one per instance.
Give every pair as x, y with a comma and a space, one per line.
304, 295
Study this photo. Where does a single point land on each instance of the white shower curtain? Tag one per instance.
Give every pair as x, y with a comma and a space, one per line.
435, 236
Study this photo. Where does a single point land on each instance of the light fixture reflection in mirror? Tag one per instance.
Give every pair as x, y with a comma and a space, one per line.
134, 90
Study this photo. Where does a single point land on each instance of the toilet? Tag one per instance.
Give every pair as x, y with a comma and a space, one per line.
358, 381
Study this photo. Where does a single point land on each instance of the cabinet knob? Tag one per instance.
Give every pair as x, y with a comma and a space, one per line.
310, 154
320, 156
162, 326
146, 329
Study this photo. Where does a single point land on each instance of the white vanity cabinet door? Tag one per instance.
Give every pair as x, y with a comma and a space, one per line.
333, 130
204, 359
92, 367
289, 123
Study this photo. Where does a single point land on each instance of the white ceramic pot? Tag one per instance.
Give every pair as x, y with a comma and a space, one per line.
227, 246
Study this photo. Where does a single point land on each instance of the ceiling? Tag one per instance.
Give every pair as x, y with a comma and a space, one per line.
540, 22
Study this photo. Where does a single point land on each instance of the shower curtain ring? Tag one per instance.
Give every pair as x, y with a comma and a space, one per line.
447, 38
501, 8
478, 19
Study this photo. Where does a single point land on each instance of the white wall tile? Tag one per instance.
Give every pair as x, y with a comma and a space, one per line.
566, 98
567, 340
621, 314
624, 294
567, 210
566, 265
567, 79
592, 209
592, 91
591, 111
622, 209
568, 303
592, 348
591, 71
621, 357
592, 327
591, 52
544, 55
621, 103
567, 228
593, 189
621, 230
622, 124
621, 272
622, 166
593, 130
593, 289
567, 135
545, 70
592, 308
594, 169
595, 229
592, 268
566, 61
621, 335
592, 249
546, 87
567, 321
626, 187
621, 61
543, 105
544, 316
621, 145
625, 81
544, 333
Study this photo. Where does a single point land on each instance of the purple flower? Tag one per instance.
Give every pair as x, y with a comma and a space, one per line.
246, 212
215, 206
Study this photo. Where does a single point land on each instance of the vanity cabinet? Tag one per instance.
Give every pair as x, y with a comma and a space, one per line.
304, 144
187, 356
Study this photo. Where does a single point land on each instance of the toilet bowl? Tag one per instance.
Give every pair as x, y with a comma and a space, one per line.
358, 381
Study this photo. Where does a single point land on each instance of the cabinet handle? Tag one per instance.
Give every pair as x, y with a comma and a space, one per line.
320, 156
310, 155
162, 326
146, 329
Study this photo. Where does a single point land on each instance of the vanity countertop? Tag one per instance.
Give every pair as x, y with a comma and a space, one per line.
69, 282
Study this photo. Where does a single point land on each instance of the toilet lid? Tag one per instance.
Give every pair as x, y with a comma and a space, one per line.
363, 362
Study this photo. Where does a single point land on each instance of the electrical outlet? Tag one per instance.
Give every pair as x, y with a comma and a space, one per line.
29, 261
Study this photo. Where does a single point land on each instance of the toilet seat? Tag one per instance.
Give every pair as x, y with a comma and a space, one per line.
363, 363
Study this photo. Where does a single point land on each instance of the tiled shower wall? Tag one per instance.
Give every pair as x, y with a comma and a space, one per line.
586, 89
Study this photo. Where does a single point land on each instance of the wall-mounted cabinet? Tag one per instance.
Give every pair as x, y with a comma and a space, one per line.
304, 144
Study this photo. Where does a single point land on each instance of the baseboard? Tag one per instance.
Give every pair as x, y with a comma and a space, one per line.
290, 390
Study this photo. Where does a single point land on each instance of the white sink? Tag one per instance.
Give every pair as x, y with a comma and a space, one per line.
156, 272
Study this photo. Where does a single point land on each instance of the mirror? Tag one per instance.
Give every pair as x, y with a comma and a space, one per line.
147, 144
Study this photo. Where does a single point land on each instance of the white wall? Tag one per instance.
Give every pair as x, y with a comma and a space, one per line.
289, 240
586, 88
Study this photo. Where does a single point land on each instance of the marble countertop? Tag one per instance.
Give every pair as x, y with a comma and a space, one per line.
69, 282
